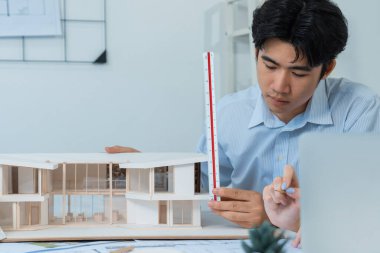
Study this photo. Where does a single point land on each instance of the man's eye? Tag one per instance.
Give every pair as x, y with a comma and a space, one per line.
270, 67
298, 75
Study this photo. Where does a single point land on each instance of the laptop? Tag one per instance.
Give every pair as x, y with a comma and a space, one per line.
340, 193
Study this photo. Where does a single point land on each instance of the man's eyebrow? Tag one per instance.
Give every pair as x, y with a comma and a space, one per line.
302, 68
266, 58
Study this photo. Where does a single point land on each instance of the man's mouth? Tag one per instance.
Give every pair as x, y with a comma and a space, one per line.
277, 101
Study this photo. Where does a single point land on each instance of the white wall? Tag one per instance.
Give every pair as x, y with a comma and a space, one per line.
360, 60
149, 95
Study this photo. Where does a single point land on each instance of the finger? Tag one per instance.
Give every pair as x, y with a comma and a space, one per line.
234, 206
279, 198
289, 177
226, 199
270, 205
268, 199
114, 149
238, 217
277, 182
297, 241
274, 199
272, 196
120, 149
278, 194
237, 194
266, 192
294, 193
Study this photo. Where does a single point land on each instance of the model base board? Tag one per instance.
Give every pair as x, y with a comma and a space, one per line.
213, 227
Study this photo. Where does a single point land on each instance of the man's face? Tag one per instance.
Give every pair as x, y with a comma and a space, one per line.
287, 86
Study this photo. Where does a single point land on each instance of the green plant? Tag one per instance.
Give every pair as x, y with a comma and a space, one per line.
265, 239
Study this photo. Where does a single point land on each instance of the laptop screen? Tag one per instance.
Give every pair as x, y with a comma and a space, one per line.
340, 193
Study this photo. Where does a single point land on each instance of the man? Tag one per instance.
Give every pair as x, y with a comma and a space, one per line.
297, 42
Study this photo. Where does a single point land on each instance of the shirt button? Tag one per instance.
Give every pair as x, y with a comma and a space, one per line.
279, 158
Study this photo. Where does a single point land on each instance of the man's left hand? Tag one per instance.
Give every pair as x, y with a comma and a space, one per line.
242, 207
282, 200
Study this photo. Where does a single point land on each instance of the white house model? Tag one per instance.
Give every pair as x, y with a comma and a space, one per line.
135, 189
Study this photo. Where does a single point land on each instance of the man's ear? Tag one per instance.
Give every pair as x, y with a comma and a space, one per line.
329, 69
257, 53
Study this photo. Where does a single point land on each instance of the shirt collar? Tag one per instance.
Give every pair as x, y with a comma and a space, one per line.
262, 114
317, 112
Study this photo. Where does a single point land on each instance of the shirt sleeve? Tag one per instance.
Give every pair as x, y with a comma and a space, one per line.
365, 118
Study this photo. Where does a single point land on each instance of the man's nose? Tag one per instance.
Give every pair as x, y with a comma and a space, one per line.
281, 82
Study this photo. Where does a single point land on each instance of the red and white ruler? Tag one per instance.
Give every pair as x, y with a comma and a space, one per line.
212, 140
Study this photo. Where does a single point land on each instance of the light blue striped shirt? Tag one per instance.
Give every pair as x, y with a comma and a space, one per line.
254, 145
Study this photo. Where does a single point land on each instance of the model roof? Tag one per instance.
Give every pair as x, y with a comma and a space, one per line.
125, 160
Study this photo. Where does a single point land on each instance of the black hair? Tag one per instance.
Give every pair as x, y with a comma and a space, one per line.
316, 28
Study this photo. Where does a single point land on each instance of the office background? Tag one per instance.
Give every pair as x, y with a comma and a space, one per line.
150, 93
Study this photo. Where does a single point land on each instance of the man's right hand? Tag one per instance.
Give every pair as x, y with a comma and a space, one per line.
242, 207
120, 149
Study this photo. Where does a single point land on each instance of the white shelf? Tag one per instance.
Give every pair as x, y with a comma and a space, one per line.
239, 52
228, 29
240, 32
